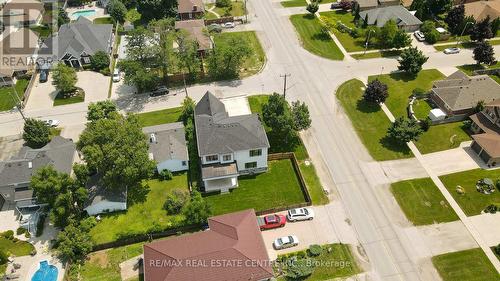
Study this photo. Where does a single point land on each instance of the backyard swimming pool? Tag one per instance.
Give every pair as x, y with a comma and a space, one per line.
46, 272
84, 13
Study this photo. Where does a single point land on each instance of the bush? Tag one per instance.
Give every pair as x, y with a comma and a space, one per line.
315, 250
300, 254
165, 175
9, 234
4, 258
491, 209
223, 3
425, 124
432, 36
497, 249
21, 230
419, 92
99, 61
467, 124
299, 269
27, 235
175, 201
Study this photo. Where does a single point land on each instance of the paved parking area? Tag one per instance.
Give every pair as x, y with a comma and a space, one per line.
454, 160
237, 105
42, 94
488, 226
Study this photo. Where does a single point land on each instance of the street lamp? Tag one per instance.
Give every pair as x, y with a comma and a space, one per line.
368, 40
461, 34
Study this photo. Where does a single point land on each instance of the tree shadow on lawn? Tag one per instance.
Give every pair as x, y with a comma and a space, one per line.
393, 145
367, 107
322, 36
137, 194
403, 76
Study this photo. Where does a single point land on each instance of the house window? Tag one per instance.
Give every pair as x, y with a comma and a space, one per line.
211, 158
255, 152
250, 165
226, 157
184, 163
86, 59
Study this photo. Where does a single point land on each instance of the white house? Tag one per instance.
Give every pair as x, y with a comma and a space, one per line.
104, 200
228, 146
167, 146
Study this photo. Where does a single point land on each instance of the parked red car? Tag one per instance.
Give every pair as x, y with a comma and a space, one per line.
271, 221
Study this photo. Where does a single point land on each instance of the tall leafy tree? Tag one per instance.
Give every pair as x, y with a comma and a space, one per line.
404, 130
187, 110
100, 60
411, 60
481, 30
312, 7
455, 18
189, 61
164, 36
197, 210
74, 242
36, 133
117, 150
100, 110
376, 92
484, 53
157, 9
64, 78
278, 116
400, 40
227, 58
117, 10
301, 117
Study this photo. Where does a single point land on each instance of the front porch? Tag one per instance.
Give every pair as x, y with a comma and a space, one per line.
219, 177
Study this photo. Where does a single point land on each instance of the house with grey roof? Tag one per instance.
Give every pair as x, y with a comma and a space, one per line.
102, 199
76, 42
403, 18
458, 94
371, 4
228, 146
167, 146
15, 174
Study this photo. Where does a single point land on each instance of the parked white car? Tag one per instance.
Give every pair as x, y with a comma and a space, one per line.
116, 75
229, 25
300, 214
52, 123
419, 35
286, 242
453, 50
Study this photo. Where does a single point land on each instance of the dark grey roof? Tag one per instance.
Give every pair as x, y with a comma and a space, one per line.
399, 14
98, 193
219, 133
168, 142
80, 36
59, 153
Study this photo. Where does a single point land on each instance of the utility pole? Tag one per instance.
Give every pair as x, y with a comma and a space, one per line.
16, 99
284, 84
368, 40
246, 12
462, 33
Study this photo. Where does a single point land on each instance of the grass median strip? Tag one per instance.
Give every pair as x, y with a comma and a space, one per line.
379, 54
468, 265
293, 3
314, 38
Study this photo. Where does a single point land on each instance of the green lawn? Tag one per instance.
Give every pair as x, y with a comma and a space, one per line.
421, 108
255, 62
19, 248
339, 262
442, 137
401, 86
256, 103
422, 202
469, 69
105, 265
370, 123
43, 31
313, 38
158, 117
278, 187
379, 54
293, 3
144, 215
469, 265
237, 10
7, 95
313, 184
60, 100
472, 202
104, 20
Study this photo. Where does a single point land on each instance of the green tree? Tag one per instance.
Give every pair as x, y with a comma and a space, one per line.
176, 201
187, 110
74, 242
189, 60
157, 9
164, 37
101, 110
117, 149
223, 3
227, 58
481, 30
479, 106
312, 7
400, 40
386, 33
484, 53
299, 269
455, 18
64, 78
36, 133
301, 117
428, 28
376, 92
404, 130
137, 75
411, 60
278, 116
197, 210
100, 60
117, 10
62, 17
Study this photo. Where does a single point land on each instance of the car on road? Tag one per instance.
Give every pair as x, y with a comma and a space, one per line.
214, 27
229, 25
52, 122
300, 214
159, 91
44, 75
116, 75
286, 242
271, 221
419, 35
453, 50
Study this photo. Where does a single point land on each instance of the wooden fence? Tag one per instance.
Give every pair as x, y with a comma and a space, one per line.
27, 92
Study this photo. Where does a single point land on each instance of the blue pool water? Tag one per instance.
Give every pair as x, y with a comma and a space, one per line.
46, 272
84, 13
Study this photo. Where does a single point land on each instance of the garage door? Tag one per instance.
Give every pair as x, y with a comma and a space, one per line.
476, 147
485, 156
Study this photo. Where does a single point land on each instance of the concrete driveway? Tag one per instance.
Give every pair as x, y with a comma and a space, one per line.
453, 160
94, 84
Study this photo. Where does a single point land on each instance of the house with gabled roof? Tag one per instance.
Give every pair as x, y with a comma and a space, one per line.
190, 9
228, 146
76, 42
399, 14
231, 249
486, 128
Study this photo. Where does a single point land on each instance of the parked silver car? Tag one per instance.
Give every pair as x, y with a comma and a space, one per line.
453, 50
300, 214
285, 242
419, 35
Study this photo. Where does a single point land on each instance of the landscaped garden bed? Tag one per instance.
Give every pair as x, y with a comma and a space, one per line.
324, 262
468, 265
422, 202
68, 98
314, 38
11, 246
462, 187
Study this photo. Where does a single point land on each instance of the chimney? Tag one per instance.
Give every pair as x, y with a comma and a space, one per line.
195, 8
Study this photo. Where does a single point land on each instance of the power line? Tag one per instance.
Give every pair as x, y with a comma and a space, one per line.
284, 84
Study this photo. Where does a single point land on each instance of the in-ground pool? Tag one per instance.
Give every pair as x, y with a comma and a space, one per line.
46, 272
84, 13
